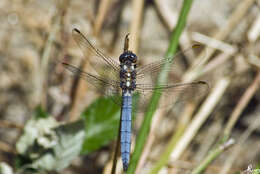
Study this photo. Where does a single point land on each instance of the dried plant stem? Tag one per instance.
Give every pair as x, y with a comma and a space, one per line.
136, 24
242, 104
187, 165
212, 133
8, 124
43, 72
102, 12
80, 89
212, 155
174, 139
201, 117
254, 31
214, 43
234, 19
205, 55
195, 72
117, 26
170, 19
254, 60
6, 148
151, 137
168, 15
234, 116
216, 62
235, 152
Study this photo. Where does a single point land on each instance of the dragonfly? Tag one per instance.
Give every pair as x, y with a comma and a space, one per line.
122, 79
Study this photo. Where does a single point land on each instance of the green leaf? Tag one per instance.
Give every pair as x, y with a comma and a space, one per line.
70, 140
256, 171
101, 124
40, 113
47, 145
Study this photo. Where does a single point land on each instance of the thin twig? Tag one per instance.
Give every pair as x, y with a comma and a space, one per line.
43, 72
170, 18
6, 148
212, 133
216, 62
113, 41
151, 137
232, 158
254, 60
201, 116
136, 24
221, 34
78, 90
182, 124
212, 155
254, 31
8, 124
80, 86
242, 104
214, 43
102, 12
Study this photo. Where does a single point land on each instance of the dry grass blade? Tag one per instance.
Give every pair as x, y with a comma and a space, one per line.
200, 117
242, 104
235, 152
221, 34
4, 147
136, 24
102, 12
43, 73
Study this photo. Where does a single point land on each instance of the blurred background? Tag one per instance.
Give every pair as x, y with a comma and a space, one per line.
36, 36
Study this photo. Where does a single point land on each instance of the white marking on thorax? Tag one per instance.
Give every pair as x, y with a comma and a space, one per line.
127, 93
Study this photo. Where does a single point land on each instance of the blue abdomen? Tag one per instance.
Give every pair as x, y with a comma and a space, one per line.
126, 130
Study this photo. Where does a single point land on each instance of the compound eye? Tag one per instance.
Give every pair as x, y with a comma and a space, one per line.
133, 58
122, 57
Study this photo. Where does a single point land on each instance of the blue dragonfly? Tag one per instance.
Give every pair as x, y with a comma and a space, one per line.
124, 79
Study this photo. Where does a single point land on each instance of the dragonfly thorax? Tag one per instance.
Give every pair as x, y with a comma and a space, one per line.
128, 71
128, 57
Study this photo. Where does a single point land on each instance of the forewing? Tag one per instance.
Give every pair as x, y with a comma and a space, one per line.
149, 72
111, 67
104, 86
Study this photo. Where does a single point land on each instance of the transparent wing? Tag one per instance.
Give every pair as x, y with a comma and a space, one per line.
141, 97
104, 86
111, 67
150, 71
170, 93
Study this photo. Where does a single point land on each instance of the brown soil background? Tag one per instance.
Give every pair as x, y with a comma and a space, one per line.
35, 35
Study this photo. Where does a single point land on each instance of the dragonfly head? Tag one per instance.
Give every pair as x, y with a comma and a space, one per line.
128, 56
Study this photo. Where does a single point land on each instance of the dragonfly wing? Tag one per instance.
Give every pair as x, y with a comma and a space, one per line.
150, 71
104, 86
171, 93
111, 66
